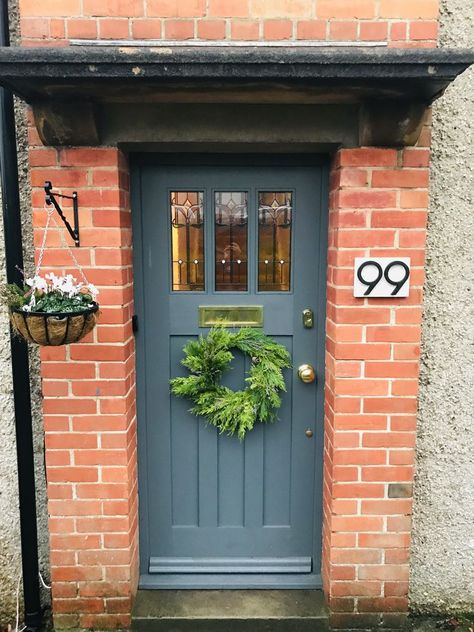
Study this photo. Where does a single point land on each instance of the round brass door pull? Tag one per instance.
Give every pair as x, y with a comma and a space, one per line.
306, 373
309, 433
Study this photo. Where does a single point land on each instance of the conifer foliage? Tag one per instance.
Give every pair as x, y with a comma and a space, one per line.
233, 412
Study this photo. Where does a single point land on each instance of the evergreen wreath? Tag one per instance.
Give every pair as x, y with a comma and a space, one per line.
233, 412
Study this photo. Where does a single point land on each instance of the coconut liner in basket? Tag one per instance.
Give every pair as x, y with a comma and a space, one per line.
54, 329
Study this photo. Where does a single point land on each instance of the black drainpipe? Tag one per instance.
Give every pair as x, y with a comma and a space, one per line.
19, 353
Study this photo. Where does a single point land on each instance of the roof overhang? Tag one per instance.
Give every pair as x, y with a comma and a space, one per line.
80, 79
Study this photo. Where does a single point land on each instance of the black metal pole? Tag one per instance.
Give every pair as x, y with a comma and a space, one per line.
19, 352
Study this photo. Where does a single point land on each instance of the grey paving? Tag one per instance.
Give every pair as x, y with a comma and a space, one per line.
230, 611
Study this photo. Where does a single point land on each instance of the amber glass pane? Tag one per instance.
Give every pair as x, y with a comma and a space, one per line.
274, 241
231, 221
187, 240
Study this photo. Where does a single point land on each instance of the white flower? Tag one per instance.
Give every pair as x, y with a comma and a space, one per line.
93, 291
51, 277
69, 285
31, 304
66, 285
54, 281
37, 283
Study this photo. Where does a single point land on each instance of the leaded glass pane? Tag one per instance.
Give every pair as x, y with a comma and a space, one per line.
231, 241
187, 240
274, 241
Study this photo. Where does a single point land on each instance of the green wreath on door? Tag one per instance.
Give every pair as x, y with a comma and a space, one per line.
233, 412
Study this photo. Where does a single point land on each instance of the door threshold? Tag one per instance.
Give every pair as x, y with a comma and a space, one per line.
230, 581
237, 610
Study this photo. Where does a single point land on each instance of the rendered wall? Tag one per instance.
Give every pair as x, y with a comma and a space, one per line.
442, 567
10, 559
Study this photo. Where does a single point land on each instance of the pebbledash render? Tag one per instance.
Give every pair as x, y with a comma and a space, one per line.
377, 202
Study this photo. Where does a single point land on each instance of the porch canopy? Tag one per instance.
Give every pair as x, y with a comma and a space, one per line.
93, 94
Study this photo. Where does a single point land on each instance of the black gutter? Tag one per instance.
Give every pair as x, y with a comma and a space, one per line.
19, 353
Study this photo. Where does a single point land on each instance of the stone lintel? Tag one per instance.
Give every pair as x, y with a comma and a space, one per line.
317, 127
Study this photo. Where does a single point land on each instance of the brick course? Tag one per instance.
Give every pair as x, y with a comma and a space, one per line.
400, 23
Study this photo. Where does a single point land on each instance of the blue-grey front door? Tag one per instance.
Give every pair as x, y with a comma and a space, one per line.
217, 512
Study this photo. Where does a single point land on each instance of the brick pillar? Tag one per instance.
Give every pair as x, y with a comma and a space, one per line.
89, 399
378, 207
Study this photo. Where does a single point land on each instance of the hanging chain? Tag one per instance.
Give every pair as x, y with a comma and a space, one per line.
50, 212
69, 249
64, 243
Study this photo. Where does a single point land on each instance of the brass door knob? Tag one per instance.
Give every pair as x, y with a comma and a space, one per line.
309, 433
306, 373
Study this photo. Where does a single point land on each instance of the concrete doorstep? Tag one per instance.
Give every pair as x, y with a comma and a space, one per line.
230, 611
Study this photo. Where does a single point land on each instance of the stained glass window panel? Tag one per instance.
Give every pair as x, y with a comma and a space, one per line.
187, 240
231, 241
275, 213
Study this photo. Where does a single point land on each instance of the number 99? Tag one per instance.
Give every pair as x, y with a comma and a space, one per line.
371, 283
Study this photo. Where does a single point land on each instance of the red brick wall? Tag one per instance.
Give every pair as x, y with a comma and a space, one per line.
89, 398
400, 22
378, 202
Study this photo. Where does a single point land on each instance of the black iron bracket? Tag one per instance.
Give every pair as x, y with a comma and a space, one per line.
51, 199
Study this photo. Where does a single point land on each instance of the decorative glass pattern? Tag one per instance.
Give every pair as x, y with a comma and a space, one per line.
231, 241
274, 241
187, 240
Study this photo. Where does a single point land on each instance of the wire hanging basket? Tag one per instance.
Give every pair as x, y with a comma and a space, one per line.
54, 328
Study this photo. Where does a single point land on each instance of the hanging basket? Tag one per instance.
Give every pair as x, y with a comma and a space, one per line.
54, 329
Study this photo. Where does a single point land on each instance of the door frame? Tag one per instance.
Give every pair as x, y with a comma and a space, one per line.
320, 161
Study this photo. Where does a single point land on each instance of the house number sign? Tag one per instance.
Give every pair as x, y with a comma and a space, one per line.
381, 277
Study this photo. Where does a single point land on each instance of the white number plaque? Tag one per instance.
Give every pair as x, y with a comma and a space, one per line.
381, 277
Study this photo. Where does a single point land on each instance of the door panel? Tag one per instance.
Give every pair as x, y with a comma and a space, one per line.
216, 511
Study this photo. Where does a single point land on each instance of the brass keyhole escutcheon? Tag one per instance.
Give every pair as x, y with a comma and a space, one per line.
306, 373
309, 433
308, 319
